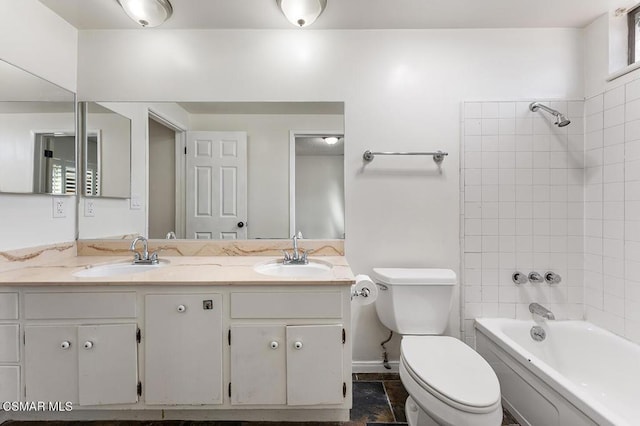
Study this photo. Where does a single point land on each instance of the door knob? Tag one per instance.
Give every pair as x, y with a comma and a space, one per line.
88, 344
182, 308
240, 224
274, 345
65, 345
297, 345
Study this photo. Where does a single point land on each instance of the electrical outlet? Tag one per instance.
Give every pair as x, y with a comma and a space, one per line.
89, 207
136, 202
59, 207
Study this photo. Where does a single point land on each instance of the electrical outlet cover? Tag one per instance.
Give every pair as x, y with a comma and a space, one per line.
59, 207
89, 207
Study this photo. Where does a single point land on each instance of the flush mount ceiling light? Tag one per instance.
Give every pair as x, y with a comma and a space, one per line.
148, 13
302, 13
330, 140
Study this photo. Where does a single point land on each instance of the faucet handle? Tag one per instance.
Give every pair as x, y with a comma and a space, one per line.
287, 256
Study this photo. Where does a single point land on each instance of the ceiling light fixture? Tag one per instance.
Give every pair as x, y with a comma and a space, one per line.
302, 13
330, 140
148, 13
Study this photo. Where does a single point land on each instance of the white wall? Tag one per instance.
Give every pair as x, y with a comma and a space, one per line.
162, 180
320, 196
34, 38
402, 91
267, 161
114, 154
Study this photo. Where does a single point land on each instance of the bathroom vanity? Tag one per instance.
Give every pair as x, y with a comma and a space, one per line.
201, 337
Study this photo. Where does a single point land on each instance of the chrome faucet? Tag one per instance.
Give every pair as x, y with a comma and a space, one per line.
143, 258
297, 256
171, 235
538, 309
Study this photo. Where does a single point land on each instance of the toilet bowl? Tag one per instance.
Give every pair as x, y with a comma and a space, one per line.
448, 382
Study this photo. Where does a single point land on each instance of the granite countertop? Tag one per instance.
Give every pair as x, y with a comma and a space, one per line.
181, 270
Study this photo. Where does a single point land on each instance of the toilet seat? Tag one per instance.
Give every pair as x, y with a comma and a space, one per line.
452, 372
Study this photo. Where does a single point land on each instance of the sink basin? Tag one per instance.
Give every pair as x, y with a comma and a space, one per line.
115, 269
278, 269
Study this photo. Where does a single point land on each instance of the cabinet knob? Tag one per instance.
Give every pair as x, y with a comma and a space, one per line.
274, 345
88, 344
65, 345
297, 345
182, 308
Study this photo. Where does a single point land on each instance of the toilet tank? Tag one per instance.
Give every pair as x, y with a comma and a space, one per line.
414, 300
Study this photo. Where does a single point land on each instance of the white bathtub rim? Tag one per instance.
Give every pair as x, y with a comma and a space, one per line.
573, 393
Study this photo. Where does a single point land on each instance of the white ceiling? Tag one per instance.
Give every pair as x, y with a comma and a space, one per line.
345, 14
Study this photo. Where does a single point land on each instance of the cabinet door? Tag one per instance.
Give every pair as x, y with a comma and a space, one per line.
258, 364
9, 383
314, 365
51, 363
107, 364
183, 349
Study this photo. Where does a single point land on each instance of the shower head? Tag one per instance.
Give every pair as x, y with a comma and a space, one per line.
561, 120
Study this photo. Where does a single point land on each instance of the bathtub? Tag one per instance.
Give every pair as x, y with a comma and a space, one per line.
578, 375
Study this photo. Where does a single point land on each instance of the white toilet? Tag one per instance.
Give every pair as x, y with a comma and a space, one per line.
448, 382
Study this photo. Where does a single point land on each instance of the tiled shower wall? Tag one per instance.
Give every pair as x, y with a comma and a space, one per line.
522, 209
612, 210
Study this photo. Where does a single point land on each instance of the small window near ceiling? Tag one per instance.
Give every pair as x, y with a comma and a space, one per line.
633, 24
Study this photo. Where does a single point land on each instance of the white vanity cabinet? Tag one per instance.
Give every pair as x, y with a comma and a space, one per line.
9, 348
287, 365
183, 349
287, 348
86, 365
81, 347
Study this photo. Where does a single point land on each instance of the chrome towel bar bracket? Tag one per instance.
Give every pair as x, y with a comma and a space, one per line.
438, 156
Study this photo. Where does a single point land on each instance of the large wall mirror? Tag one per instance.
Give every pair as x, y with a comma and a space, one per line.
106, 152
228, 170
37, 134
240, 176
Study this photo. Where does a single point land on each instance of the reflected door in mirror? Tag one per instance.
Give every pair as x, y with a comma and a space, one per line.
216, 185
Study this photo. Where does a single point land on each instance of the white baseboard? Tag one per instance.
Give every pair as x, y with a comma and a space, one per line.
373, 367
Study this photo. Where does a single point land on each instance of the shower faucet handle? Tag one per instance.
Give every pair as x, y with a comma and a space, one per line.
519, 278
552, 278
535, 278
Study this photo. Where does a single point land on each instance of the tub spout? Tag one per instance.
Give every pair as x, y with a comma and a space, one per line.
538, 309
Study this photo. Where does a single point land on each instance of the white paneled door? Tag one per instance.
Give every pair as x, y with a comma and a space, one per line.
216, 185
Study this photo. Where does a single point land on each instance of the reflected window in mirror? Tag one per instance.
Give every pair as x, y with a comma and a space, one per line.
55, 163
107, 152
37, 134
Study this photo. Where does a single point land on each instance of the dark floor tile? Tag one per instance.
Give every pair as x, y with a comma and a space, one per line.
377, 376
397, 395
386, 424
508, 419
370, 403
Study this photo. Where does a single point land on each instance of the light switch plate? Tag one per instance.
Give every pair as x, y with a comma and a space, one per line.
136, 202
59, 207
89, 207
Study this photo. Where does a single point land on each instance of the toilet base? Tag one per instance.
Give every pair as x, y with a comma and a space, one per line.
416, 416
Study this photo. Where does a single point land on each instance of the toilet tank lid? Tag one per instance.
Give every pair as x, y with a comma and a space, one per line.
415, 276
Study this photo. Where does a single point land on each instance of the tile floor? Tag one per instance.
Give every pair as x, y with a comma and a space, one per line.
378, 400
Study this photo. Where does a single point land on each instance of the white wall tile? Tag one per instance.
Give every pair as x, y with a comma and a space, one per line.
614, 97
632, 90
472, 110
595, 104
490, 109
